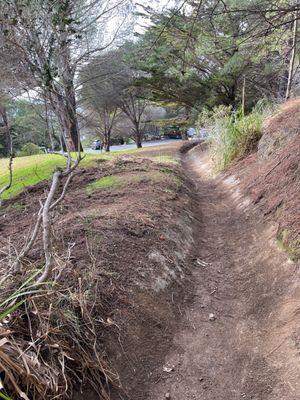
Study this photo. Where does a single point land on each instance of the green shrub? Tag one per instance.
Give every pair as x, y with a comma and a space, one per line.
232, 134
292, 247
29, 149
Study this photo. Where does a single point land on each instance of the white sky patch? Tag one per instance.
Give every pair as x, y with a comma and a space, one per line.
125, 25
157, 5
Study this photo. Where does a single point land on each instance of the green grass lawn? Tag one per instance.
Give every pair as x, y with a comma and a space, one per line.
28, 171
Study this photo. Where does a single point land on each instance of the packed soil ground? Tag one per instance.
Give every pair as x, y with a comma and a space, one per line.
239, 338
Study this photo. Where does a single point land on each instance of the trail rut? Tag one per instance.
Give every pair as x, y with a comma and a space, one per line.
251, 349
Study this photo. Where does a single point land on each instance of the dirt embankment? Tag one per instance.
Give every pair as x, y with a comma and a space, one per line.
152, 300
270, 177
121, 240
239, 336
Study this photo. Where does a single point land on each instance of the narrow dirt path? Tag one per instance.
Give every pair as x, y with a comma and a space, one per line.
249, 348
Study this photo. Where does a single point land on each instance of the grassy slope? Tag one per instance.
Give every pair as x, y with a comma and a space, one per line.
28, 171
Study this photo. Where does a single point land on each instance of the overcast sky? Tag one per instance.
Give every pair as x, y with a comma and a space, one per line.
158, 5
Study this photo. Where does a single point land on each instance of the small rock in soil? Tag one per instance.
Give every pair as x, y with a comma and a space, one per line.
201, 262
212, 317
168, 369
167, 396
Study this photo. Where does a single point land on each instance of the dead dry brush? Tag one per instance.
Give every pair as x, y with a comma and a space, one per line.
50, 334
50, 329
49, 344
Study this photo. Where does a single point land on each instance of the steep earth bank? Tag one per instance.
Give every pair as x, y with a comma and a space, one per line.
270, 177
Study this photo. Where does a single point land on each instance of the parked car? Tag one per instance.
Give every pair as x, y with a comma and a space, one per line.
174, 135
204, 134
191, 133
97, 145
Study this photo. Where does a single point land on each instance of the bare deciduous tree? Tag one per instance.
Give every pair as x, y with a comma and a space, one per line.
134, 107
99, 96
53, 39
108, 85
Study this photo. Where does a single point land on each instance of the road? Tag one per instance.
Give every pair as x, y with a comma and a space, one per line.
133, 145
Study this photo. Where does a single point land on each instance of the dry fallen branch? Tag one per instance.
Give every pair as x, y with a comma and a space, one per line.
53, 204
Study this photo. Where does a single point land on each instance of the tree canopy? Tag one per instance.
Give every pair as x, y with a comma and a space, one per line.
82, 58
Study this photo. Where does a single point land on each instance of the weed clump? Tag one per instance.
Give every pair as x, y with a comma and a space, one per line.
292, 247
107, 182
232, 134
29, 149
49, 339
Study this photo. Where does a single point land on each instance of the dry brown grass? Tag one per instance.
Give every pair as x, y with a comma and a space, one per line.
51, 341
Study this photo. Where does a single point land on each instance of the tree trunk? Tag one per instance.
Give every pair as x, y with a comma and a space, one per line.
138, 136
107, 147
139, 142
71, 115
292, 60
63, 102
75, 135
184, 135
49, 129
6, 128
67, 119
232, 94
107, 142
9, 151
244, 95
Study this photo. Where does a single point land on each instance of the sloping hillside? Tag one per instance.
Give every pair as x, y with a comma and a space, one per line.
121, 239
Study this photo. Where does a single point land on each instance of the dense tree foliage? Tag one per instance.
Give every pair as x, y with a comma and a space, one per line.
198, 54
203, 57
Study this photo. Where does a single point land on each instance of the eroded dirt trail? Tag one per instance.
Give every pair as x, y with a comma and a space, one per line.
250, 350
